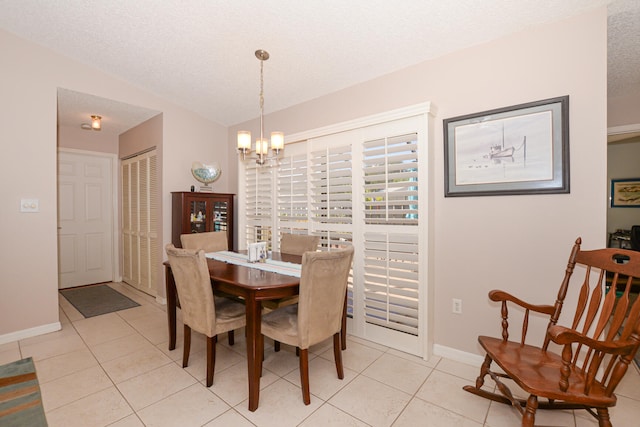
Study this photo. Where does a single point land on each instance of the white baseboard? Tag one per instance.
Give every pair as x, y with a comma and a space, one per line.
457, 355
28, 333
161, 300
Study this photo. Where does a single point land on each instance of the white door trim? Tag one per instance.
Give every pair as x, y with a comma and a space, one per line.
115, 191
618, 130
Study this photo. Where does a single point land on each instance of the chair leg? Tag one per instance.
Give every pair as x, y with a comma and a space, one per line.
337, 354
603, 418
484, 370
304, 375
211, 358
186, 346
231, 337
276, 346
343, 328
529, 416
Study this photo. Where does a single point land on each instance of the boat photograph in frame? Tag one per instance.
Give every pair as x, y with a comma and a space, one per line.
521, 149
625, 193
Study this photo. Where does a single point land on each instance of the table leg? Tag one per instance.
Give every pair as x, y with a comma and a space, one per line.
170, 287
254, 352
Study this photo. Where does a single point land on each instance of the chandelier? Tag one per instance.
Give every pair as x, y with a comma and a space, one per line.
262, 144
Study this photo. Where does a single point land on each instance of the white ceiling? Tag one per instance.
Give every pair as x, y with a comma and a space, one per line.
200, 54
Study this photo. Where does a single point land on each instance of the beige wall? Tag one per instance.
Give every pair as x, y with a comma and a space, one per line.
89, 140
141, 138
31, 77
517, 243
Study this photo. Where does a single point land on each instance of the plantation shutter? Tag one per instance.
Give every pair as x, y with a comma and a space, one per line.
331, 193
259, 202
391, 281
391, 262
292, 202
362, 183
390, 180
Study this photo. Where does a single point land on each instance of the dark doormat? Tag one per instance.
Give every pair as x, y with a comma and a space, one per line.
20, 399
97, 299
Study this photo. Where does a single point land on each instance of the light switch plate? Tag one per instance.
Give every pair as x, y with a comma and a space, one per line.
29, 205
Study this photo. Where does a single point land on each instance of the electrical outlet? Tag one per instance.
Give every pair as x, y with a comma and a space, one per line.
457, 306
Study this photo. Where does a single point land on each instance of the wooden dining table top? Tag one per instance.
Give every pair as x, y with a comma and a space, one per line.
252, 279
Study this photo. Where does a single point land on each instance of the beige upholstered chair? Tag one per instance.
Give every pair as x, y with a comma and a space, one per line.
212, 241
292, 244
318, 314
298, 244
199, 312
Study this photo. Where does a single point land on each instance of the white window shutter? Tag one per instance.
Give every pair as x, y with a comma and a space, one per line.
391, 180
391, 285
259, 194
358, 183
292, 202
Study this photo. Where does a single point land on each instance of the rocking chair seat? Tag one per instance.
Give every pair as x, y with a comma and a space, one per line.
538, 372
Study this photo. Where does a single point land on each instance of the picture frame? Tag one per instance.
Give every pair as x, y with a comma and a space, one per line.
625, 193
521, 149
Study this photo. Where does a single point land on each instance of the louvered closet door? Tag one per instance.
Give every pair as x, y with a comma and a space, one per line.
140, 222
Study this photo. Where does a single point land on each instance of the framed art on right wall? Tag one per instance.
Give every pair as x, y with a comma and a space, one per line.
625, 193
520, 149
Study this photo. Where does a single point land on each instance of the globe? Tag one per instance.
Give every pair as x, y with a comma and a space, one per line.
206, 173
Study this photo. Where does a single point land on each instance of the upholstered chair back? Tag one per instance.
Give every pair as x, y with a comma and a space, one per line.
193, 284
212, 241
323, 284
297, 244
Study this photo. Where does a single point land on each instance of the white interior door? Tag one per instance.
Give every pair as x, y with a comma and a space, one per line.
85, 219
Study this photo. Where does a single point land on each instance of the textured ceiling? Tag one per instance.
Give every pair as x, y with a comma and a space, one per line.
199, 54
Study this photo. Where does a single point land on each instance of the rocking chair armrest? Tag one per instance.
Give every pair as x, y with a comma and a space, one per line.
497, 295
562, 335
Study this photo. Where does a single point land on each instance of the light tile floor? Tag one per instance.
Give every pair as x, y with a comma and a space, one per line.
115, 370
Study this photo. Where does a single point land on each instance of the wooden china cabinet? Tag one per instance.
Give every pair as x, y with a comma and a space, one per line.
194, 212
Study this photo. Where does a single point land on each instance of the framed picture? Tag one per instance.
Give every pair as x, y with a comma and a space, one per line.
522, 149
625, 193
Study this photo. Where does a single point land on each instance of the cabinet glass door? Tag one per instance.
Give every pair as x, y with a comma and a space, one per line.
219, 216
198, 216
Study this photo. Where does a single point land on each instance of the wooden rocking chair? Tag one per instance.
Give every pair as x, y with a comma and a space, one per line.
596, 349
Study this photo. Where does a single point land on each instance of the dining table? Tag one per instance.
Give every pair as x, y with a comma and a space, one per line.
251, 284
